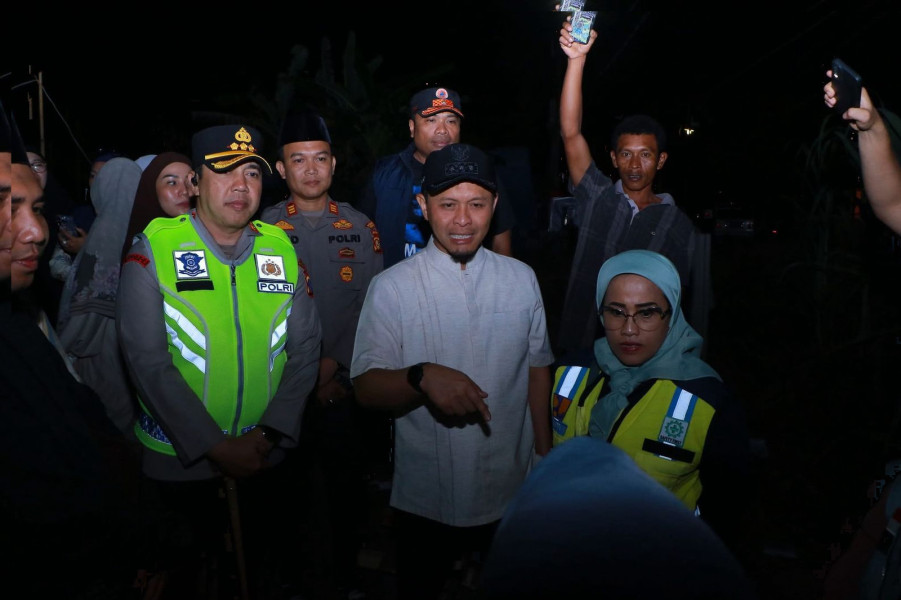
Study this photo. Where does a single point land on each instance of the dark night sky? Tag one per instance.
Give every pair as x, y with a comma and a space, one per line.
747, 75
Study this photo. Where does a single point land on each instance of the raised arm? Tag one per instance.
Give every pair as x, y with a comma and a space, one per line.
575, 146
880, 168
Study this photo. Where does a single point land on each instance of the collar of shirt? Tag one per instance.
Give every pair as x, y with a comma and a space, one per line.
664, 197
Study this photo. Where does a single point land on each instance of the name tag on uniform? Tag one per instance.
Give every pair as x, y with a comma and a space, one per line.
271, 273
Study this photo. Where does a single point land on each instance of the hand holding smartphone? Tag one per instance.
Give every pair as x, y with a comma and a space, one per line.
847, 84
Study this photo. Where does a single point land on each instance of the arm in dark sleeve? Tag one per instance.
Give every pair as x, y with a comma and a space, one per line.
301, 369
161, 387
725, 470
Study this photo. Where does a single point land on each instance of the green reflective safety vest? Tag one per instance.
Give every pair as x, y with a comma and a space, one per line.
663, 432
226, 323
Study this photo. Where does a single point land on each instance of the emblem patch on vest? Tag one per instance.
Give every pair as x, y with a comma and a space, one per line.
271, 272
346, 273
190, 264
673, 431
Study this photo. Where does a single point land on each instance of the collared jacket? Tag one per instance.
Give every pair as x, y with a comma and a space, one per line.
342, 252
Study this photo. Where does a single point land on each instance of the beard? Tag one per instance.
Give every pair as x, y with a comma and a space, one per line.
463, 257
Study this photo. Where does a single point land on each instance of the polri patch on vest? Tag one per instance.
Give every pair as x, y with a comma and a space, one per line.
190, 264
271, 270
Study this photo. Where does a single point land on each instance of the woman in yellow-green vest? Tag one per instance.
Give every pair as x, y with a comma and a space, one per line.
647, 391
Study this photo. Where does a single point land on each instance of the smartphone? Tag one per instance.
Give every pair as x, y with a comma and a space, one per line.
582, 22
847, 84
68, 223
571, 5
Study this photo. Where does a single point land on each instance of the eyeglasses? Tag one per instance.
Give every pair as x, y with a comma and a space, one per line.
646, 319
38, 166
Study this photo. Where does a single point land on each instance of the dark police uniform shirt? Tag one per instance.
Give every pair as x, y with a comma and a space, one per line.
341, 252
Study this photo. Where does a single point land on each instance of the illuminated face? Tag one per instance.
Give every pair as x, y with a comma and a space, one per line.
28, 230
228, 201
174, 188
632, 294
307, 169
459, 218
637, 160
434, 132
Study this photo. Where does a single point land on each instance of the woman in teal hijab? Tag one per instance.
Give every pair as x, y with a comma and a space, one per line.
631, 355
650, 393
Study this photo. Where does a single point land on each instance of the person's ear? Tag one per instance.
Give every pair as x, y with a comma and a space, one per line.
412, 127
613, 159
280, 167
423, 205
661, 159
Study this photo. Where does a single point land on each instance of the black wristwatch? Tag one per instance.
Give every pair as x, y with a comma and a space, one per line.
414, 376
271, 435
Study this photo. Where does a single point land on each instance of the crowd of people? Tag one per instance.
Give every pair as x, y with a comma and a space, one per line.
191, 378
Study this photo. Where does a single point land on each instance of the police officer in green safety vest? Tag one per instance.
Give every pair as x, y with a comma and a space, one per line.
222, 338
645, 389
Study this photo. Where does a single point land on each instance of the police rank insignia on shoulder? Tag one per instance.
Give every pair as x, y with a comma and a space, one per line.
271, 272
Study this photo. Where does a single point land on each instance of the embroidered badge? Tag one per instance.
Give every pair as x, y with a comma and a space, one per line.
342, 224
291, 209
193, 264
333, 207
347, 253
282, 224
347, 273
673, 431
253, 227
376, 241
271, 272
306, 277
675, 423
138, 258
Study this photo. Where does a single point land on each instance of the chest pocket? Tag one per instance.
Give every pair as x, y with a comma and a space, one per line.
345, 272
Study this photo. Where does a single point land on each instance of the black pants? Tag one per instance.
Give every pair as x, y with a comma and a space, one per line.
199, 550
427, 551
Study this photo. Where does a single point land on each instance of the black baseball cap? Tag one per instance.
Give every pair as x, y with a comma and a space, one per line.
455, 164
224, 147
434, 100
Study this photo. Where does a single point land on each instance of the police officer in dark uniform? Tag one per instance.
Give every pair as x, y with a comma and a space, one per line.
341, 250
